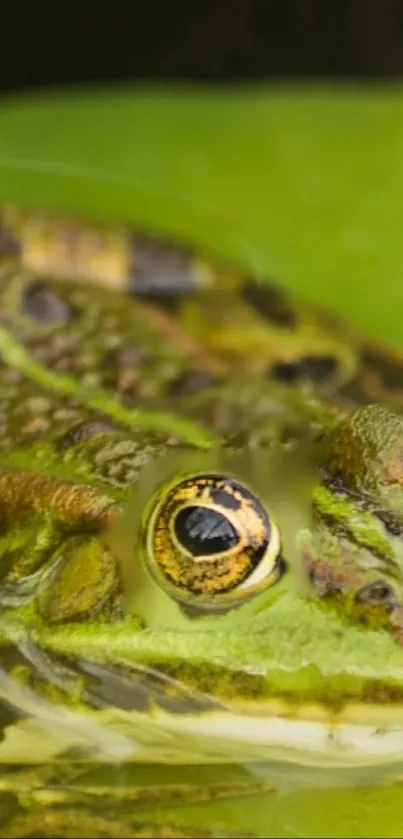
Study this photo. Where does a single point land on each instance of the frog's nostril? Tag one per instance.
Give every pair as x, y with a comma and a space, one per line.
376, 594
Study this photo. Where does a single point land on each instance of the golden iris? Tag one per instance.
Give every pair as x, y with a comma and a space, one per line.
208, 539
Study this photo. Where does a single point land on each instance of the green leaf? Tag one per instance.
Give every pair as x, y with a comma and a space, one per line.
305, 184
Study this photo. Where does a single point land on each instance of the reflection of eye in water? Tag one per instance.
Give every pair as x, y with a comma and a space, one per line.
205, 542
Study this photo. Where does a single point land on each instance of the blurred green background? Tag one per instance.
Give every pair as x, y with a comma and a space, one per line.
302, 183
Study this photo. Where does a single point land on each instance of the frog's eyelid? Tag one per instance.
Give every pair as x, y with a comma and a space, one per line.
266, 565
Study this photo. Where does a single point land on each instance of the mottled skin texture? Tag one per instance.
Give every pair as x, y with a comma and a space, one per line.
123, 358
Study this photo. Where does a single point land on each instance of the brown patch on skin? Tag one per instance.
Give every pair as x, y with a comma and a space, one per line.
24, 493
328, 580
36, 425
55, 351
332, 570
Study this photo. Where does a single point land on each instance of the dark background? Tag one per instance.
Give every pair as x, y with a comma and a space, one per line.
61, 43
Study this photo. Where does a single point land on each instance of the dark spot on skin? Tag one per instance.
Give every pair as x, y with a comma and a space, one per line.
393, 523
42, 303
270, 303
316, 368
160, 269
319, 368
86, 430
105, 687
169, 303
190, 382
204, 531
285, 371
225, 499
377, 594
139, 690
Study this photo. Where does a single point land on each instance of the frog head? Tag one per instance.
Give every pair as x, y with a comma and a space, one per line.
230, 609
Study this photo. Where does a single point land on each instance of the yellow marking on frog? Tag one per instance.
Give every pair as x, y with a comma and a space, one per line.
65, 247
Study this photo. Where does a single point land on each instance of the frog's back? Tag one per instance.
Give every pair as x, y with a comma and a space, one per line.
166, 323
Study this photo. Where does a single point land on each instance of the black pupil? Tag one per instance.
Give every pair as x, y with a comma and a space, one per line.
203, 531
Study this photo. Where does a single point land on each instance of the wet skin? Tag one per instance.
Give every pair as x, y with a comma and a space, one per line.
201, 515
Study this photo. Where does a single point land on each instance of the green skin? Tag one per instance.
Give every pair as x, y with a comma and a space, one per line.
83, 622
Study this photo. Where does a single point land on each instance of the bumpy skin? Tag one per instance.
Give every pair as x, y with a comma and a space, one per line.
126, 360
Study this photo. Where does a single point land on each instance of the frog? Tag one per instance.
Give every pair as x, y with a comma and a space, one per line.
200, 541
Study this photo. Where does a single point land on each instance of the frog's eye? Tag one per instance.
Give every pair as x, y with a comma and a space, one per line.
209, 542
